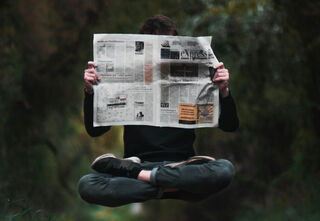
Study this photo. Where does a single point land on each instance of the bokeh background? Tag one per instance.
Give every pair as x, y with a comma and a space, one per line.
271, 48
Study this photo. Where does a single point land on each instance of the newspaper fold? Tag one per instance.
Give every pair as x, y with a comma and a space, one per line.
156, 80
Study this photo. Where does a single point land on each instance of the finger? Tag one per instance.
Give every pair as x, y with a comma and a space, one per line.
91, 75
221, 75
219, 65
89, 79
221, 79
92, 78
94, 71
91, 64
223, 70
90, 70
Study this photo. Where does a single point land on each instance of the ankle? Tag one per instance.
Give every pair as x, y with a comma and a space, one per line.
144, 175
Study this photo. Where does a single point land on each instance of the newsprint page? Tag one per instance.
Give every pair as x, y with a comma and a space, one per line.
156, 80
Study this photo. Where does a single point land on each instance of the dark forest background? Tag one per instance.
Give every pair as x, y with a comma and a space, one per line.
271, 48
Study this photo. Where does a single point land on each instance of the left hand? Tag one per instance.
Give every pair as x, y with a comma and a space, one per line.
222, 79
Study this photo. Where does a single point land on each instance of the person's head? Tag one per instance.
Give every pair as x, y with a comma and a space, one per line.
158, 25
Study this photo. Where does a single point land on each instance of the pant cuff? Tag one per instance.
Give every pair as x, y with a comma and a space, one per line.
153, 176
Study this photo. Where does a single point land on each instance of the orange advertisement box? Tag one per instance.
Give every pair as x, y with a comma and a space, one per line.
187, 113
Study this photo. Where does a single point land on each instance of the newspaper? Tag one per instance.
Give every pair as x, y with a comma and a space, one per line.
156, 80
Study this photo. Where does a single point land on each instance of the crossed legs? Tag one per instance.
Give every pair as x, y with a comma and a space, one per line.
191, 182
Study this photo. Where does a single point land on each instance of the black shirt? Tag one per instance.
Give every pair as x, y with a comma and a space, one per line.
161, 143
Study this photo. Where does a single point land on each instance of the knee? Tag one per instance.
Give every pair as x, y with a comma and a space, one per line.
84, 187
227, 171
94, 189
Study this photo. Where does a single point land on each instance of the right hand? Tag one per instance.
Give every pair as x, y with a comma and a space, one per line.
91, 77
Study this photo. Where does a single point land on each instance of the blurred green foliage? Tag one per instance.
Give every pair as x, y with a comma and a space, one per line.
271, 48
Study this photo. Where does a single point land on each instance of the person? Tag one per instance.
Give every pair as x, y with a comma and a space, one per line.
159, 162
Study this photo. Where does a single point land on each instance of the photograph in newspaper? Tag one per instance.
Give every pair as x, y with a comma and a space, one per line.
155, 80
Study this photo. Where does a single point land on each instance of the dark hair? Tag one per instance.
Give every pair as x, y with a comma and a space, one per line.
158, 24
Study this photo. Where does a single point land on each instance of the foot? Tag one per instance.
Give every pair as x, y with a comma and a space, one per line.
108, 163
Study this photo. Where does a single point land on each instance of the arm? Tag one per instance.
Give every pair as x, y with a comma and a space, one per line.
90, 78
228, 119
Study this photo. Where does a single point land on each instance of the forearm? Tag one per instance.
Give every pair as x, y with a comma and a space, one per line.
228, 120
88, 118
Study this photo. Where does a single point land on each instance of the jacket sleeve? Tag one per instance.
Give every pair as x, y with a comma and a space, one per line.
88, 118
228, 119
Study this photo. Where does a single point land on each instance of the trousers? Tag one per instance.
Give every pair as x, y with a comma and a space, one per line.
194, 182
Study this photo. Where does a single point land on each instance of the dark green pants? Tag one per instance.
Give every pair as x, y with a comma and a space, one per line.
195, 182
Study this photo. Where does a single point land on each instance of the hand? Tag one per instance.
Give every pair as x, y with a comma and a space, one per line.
90, 77
222, 79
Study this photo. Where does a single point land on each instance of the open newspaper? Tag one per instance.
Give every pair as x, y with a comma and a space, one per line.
157, 80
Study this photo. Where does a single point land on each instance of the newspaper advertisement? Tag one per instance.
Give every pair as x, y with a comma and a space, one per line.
156, 80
